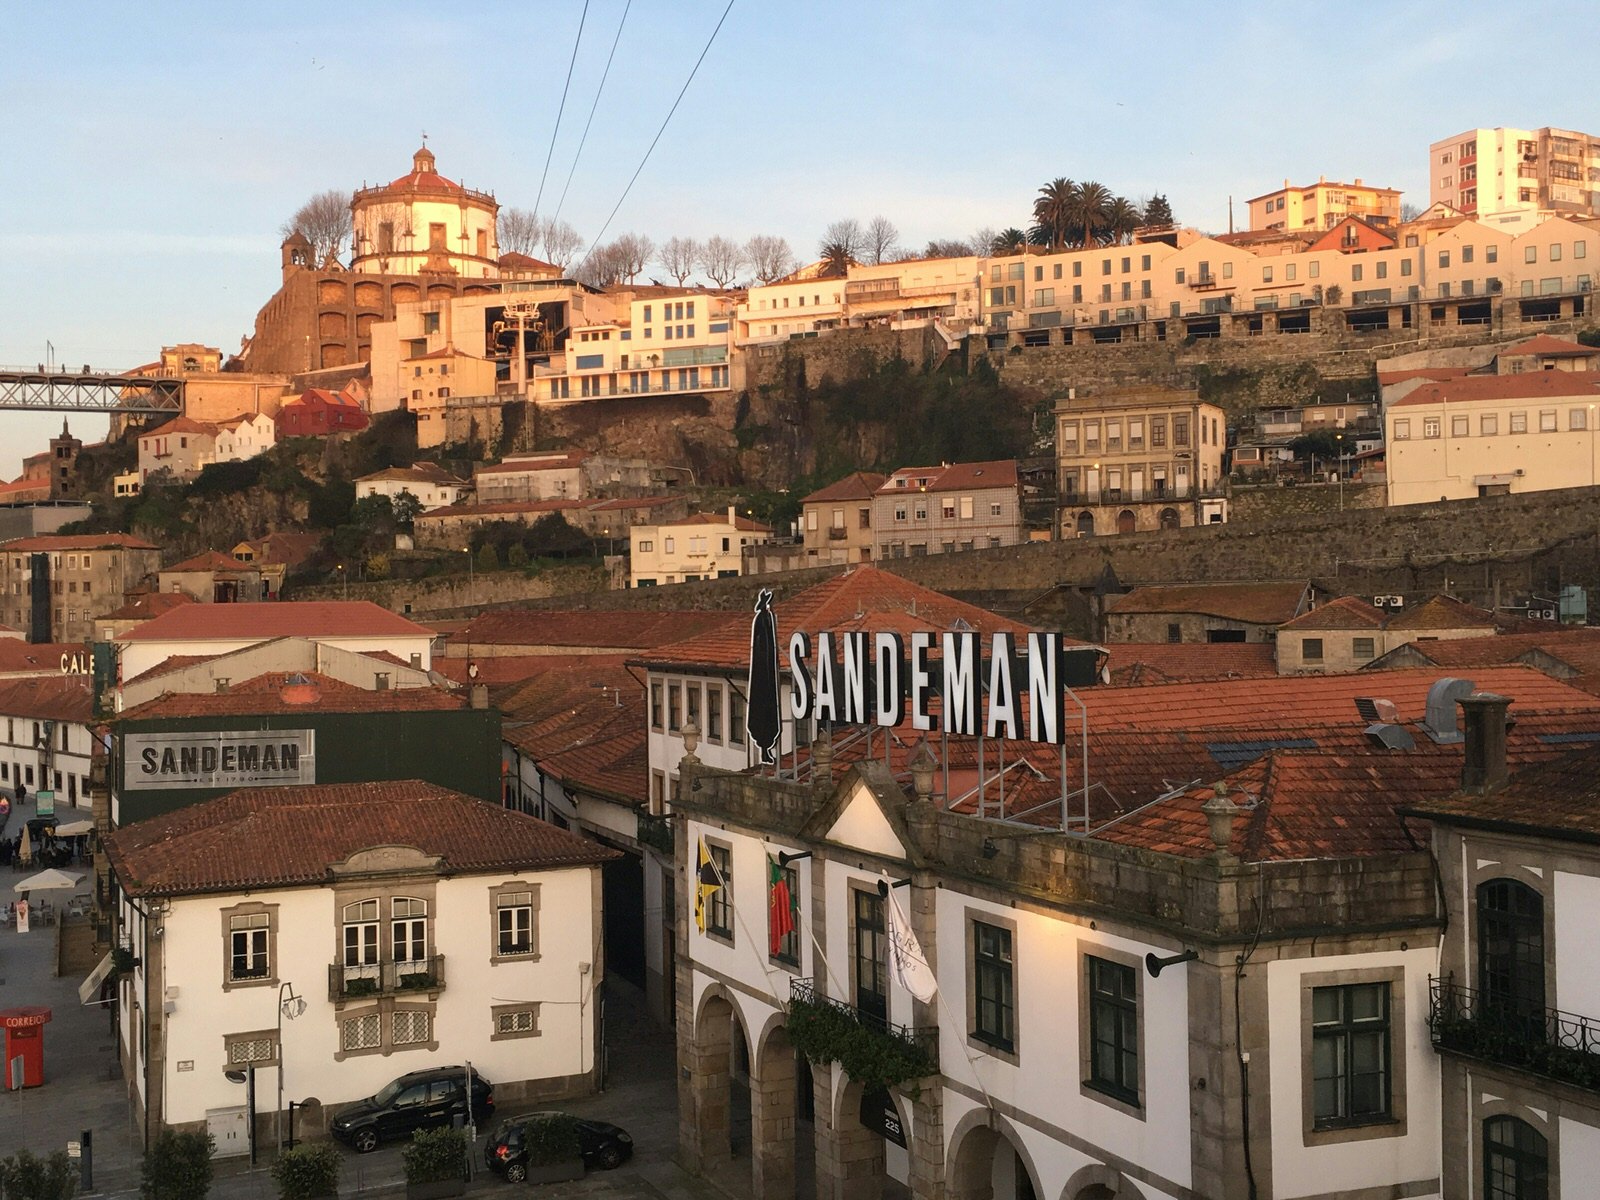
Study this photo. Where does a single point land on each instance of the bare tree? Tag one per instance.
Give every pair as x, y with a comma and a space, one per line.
634, 251
879, 239
983, 241
769, 257
679, 257
603, 266
385, 230
947, 248
520, 231
721, 258
561, 242
324, 221
845, 238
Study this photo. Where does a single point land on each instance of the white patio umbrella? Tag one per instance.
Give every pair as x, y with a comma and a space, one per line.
53, 880
74, 828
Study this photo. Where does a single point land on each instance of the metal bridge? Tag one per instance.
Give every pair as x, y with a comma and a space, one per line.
58, 390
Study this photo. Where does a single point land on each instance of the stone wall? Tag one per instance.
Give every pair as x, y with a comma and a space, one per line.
452, 592
1254, 505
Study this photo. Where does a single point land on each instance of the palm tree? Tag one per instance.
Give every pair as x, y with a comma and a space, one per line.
1009, 241
1089, 210
837, 259
1122, 218
1052, 211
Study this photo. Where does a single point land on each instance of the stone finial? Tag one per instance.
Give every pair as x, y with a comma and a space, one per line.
922, 764
822, 755
1220, 814
691, 741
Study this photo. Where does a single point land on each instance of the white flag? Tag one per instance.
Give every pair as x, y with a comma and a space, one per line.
906, 961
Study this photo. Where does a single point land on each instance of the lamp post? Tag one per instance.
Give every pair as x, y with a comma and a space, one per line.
344, 580
472, 577
291, 1006
1339, 440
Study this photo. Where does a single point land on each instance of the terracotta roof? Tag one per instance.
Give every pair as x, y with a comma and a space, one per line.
1347, 612
49, 698
1558, 799
211, 560
20, 486
1579, 647
1545, 346
287, 547
271, 693
863, 599
283, 837
422, 472
582, 718
322, 396
500, 506
543, 462
858, 485
1531, 385
180, 425
78, 541
17, 657
1260, 603
422, 177
1386, 378
622, 629
270, 619
524, 262
718, 518
495, 671
951, 477
1441, 612
1144, 663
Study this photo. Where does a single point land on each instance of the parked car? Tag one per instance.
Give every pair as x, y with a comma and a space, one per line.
602, 1145
421, 1100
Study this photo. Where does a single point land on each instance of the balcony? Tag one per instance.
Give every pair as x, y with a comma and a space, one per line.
837, 533
1546, 1041
385, 979
1202, 282
656, 832
825, 1029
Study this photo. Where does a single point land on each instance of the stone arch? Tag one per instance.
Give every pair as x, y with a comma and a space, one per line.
331, 292
369, 294
853, 1158
1169, 518
402, 293
974, 1143
333, 354
774, 1080
705, 1122
1126, 521
1085, 524
1099, 1182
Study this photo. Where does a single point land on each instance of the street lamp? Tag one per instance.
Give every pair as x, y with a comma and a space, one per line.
344, 580
1339, 440
471, 574
291, 1006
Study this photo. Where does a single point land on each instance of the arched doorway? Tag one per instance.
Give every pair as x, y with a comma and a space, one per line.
713, 1056
1086, 524
1169, 518
859, 1162
989, 1163
775, 1114
1098, 1182
1126, 521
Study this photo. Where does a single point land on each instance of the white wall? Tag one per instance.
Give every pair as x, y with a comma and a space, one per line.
139, 656
1580, 1157
1577, 955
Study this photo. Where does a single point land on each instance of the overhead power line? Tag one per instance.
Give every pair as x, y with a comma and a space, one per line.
581, 141
706, 49
576, 42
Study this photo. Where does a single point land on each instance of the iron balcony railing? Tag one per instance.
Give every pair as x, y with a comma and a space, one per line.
1546, 1041
385, 978
656, 832
924, 1038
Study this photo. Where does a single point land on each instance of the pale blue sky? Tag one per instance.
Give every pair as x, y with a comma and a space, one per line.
153, 151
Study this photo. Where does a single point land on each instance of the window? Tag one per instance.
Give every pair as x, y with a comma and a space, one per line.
1355, 273
1460, 426
365, 1032
674, 706
247, 946
1489, 424
1362, 647
655, 704
1311, 650
1174, 633
1516, 1161
713, 730
1430, 427
1405, 266
245, 1049
1511, 953
1530, 254
1350, 1054
1402, 429
514, 1021
783, 884
1547, 422
994, 1001
409, 929
719, 904
514, 930
735, 717
1555, 251
870, 961
1577, 418
1519, 422
412, 1026
1113, 1028
361, 939
692, 696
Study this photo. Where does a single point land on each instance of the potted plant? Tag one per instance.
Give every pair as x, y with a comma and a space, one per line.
554, 1152
360, 986
308, 1172
436, 1164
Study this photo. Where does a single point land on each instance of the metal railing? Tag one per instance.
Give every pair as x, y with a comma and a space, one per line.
924, 1038
385, 978
1546, 1041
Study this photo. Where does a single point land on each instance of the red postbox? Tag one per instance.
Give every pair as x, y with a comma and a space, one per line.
24, 1039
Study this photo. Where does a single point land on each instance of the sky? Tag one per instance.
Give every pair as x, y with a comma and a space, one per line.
153, 152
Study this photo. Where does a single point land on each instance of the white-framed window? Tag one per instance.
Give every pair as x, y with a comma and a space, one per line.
514, 923
1519, 422
1547, 421
1402, 429
409, 929
247, 946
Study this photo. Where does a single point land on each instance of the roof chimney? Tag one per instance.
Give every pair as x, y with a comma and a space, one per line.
480, 695
1483, 769
733, 515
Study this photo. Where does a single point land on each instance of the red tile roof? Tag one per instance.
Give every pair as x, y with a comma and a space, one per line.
22, 486
49, 698
78, 541
1545, 346
563, 461
271, 619
1259, 603
213, 561
285, 837
583, 720
621, 629
1578, 647
858, 485
952, 477
524, 262
1347, 612
1531, 385
718, 518
281, 692
1442, 612
17, 657
1145, 663
1558, 799
1386, 378
863, 598
499, 507
422, 472
181, 425
287, 547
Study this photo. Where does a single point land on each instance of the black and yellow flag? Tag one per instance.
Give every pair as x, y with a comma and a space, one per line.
707, 880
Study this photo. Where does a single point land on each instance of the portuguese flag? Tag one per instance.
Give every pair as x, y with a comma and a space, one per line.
780, 907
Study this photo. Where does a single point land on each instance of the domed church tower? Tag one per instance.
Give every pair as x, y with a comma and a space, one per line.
424, 224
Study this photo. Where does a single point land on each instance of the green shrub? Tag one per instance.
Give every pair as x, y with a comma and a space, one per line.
307, 1172
435, 1155
25, 1176
177, 1167
552, 1139
876, 1058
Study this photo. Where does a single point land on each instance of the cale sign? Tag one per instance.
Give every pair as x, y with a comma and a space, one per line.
224, 759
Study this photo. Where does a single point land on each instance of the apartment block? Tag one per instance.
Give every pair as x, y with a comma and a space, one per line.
1322, 205
1504, 171
946, 508
702, 546
55, 586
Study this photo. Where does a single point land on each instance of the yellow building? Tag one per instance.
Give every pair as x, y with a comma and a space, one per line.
836, 521
1136, 459
655, 339
424, 224
1322, 205
1481, 435
439, 381
898, 295
703, 546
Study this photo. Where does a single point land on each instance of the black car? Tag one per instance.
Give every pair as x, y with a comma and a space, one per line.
602, 1145
421, 1100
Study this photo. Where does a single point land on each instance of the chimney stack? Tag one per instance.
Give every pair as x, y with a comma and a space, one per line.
479, 695
1483, 714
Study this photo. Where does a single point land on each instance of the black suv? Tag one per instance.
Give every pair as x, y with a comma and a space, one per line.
601, 1144
421, 1100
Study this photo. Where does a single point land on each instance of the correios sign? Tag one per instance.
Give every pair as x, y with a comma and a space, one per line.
221, 759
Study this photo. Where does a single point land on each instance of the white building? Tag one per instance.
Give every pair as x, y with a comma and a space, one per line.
183, 447
419, 926
431, 485
46, 733
245, 436
207, 630
704, 546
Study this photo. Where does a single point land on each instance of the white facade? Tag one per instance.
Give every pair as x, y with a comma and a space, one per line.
430, 493
43, 754
245, 437
696, 548
139, 656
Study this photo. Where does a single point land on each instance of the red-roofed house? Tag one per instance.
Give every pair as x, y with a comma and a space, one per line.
1348, 634
317, 412
430, 484
836, 521
1481, 435
183, 447
702, 546
45, 738
1545, 353
214, 578
943, 509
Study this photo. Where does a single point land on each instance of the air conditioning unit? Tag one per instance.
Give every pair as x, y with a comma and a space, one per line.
1519, 471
